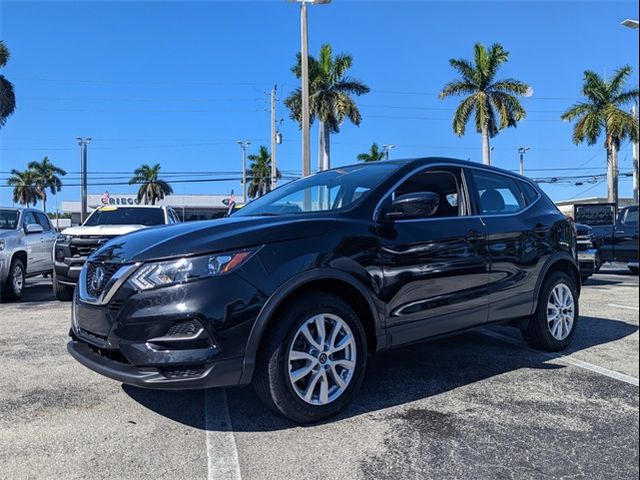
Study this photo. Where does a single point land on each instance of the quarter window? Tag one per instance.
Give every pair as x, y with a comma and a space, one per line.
497, 194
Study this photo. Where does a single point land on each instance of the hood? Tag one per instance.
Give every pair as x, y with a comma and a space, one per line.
200, 238
102, 230
7, 233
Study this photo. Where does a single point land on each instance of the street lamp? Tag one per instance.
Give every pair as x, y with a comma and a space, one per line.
304, 87
83, 142
634, 25
386, 149
630, 23
244, 145
522, 151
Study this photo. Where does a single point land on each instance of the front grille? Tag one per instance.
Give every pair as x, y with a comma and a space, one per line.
113, 355
115, 305
98, 276
85, 245
182, 372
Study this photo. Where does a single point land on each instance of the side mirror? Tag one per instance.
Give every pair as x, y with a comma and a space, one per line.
33, 228
414, 205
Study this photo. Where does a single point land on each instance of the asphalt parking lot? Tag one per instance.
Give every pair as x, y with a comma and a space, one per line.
480, 405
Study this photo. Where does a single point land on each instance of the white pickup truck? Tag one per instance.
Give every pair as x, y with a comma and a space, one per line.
75, 244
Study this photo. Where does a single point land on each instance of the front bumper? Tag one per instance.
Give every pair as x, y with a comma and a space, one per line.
188, 336
589, 261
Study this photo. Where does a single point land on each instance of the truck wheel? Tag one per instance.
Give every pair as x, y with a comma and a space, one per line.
554, 324
14, 285
313, 360
64, 293
633, 270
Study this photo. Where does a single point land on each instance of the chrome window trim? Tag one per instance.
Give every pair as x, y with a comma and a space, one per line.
377, 209
115, 282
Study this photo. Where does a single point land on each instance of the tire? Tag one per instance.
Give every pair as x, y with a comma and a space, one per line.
633, 270
541, 333
282, 393
14, 286
64, 293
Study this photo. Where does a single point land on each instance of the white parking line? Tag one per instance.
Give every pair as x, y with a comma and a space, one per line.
222, 454
626, 307
563, 358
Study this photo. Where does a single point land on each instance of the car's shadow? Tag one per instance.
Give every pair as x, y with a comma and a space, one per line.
36, 291
393, 378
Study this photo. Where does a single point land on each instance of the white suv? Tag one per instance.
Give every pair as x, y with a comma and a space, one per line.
75, 244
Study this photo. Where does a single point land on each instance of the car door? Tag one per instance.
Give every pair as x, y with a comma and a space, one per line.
49, 239
626, 236
35, 244
515, 240
435, 269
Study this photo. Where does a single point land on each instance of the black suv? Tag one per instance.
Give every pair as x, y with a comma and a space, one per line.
294, 290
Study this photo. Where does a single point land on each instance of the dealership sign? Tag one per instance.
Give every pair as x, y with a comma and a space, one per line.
107, 199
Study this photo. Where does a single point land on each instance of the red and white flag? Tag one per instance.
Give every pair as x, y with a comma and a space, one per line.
105, 198
231, 203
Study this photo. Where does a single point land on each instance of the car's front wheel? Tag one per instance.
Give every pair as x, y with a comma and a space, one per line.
554, 323
14, 285
64, 293
313, 359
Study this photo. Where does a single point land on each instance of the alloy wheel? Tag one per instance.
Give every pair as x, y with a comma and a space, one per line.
560, 312
322, 359
17, 279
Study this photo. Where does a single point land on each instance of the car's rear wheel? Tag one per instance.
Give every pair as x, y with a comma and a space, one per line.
14, 285
64, 293
313, 360
554, 323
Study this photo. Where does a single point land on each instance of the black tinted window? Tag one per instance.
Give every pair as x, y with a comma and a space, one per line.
44, 221
126, 216
443, 183
497, 194
631, 218
8, 219
530, 193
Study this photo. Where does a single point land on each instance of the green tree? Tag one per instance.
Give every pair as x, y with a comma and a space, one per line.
373, 155
7, 95
151, 188
330, 97
602, 109
260, 173
25, 191
46, 176
495, 102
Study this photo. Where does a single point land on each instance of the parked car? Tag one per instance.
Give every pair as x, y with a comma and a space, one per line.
293, 291
614, 233
588, 258
75, 244
26, 243
622, 245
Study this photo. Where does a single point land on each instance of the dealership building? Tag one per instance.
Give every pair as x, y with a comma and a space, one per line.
188, 207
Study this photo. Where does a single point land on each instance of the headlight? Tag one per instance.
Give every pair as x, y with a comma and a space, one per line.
163, 274
62, 238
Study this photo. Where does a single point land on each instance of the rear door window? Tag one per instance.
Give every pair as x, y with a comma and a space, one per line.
497, 194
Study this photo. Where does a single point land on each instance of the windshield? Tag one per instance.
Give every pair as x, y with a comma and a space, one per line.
8, 219
326, 191
125, 216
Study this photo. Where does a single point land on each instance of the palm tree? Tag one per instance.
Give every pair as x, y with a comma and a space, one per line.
45, 176
330, 101
602, 109
373, 155
7, 95
25, 191
485, 95
151, 188
260, 173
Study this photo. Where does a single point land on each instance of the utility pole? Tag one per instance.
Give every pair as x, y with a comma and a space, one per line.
83, 142
522, 151
244, 145
274, 133
304, 87
386, 149
634, 111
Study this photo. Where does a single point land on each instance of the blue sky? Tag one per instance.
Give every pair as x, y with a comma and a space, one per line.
179, 82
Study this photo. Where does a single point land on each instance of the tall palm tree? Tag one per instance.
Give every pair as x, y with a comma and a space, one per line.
151, 188
601, 109
373, 155
330, 97
7, 95
488, 97
260, 173
45, 176
25, 191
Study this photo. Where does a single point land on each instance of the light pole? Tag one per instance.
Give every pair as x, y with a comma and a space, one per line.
386, 149
304, 86
633, 24
244, 145
274, 138
83, 142
522, 151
